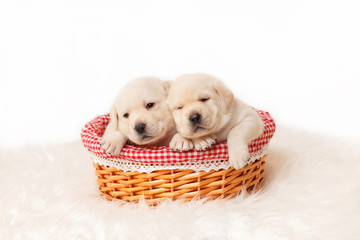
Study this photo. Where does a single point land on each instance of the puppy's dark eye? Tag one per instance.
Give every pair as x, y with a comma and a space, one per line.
150, 105
204, 99
179, 108
126, 115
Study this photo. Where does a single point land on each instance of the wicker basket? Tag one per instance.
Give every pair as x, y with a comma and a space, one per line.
184, 184
135, 175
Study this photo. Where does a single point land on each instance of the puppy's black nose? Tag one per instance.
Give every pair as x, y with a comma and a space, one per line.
195, 118
140, 128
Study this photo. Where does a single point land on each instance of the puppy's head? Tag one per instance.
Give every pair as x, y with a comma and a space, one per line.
141, 112
199, 103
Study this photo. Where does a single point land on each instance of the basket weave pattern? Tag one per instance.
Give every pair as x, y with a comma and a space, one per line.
184, 184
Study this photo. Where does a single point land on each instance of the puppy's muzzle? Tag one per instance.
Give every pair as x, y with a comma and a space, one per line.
140, 128
195, 118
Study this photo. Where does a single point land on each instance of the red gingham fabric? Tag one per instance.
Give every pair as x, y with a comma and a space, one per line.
92, 132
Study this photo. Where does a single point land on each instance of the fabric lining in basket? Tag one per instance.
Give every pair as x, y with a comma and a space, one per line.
204, 165
92, 132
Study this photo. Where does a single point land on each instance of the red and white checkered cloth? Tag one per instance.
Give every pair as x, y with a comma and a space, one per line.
92, 132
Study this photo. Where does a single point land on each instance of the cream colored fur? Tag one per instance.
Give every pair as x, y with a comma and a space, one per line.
131, 108
311, 191
223, 117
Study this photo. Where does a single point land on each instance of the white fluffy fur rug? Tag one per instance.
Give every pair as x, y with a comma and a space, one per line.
311, 191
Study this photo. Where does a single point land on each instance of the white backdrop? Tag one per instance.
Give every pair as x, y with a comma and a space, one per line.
62, 62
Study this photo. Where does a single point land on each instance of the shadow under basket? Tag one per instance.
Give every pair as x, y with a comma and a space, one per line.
183, 184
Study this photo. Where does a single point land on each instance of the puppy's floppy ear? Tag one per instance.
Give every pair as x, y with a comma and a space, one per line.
225, 95
114, 118
167, 85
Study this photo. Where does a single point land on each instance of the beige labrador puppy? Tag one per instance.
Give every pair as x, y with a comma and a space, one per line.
140, 114
205, 110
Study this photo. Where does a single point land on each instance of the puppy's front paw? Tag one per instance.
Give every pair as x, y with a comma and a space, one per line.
238, 158
178, 143
113, 143
202, 144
